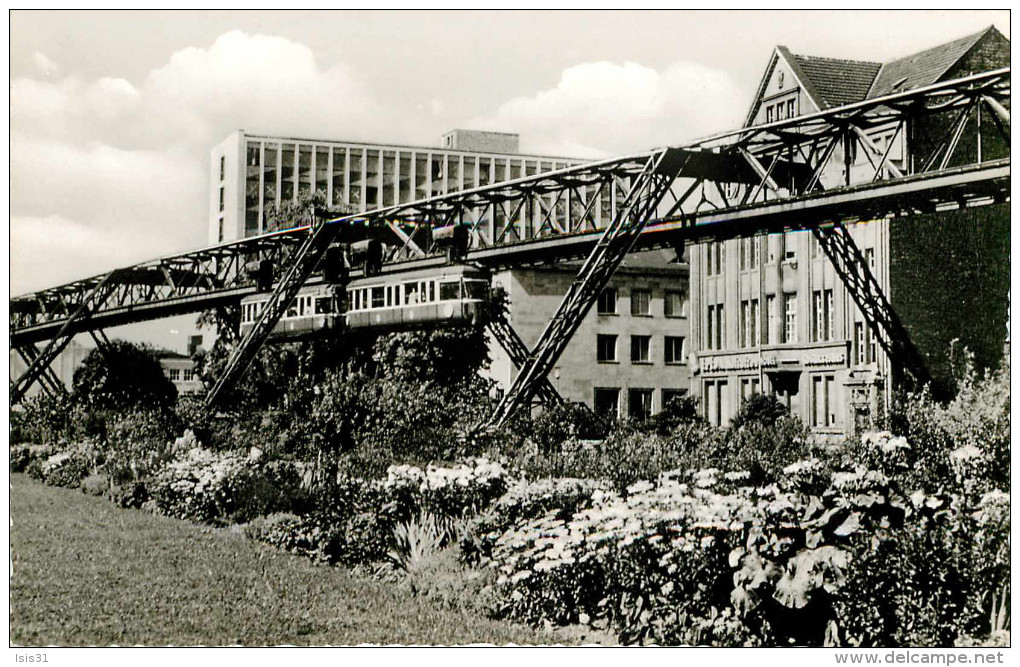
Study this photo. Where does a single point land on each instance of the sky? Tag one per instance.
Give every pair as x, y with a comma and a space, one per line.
113, 113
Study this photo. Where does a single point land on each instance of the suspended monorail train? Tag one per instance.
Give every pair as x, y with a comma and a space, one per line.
450, 295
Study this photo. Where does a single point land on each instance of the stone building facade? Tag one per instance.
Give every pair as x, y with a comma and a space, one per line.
769, 313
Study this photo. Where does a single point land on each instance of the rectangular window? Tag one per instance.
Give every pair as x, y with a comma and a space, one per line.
715, 257
869, 256
221, 198
223, 167
450, 291
823, 402
639, 403
606, 348
607, 402
771, 321
821, 325
674, 304
720, 328
749, 387
789, 317
770, 113
775, 243
378, 297
716, 401
745, 321
830, 316
791, 108
710, 326
640, 302
607, 301
748, 253
188, 375
174, 374
640, 349
749, 311
674, 349
789, 248
670, 395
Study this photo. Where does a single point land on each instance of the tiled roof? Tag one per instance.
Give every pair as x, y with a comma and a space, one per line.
924, 68
833, 82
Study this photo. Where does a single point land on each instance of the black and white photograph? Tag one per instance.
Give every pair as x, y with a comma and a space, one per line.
506, 328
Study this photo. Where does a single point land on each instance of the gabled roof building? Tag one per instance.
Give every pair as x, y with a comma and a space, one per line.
769, 313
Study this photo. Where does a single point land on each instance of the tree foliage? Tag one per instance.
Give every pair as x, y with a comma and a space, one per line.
120, 375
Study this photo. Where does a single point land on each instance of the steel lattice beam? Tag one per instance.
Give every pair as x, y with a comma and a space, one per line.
538, 218
646, 192
303, 262
852, 268
96, 298
518, 353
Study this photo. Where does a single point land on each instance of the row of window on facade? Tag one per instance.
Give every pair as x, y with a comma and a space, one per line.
781, 110
640, 349
180, 374
674, 302
640, 401
718, 408
371, 178
781, 247
754, 332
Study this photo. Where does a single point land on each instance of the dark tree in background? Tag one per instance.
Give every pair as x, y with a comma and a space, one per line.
120, 375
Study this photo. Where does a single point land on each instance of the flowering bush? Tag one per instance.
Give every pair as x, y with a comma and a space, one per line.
453, 491
21, 456
204, 485
525, 501
836, 556
65, 468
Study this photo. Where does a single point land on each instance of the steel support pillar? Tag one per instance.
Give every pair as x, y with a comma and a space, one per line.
646, 191
518, 353
885, 325
51, 384
95, 300
302, 264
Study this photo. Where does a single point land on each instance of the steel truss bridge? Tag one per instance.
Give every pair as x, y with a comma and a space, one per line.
760, 179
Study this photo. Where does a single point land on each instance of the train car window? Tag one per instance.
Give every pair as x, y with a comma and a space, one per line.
378, 297
322, 306
292, 311
432, 291
449, 291
476, 289
410, 293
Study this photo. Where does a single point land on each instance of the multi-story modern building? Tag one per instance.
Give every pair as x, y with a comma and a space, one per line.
769, 313
629, 356
251, 174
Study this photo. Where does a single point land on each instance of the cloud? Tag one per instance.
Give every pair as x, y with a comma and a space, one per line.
46, 66
602, 108
106, 172
52, 250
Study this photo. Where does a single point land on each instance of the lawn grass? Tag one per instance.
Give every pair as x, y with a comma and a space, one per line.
86, 572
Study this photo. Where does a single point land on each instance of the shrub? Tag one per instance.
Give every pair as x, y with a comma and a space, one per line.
204, 486
22, 456
444, 491
567, 421
762, 409
286, 531
526, 501
140, 442
67, 468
